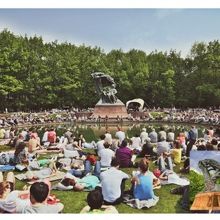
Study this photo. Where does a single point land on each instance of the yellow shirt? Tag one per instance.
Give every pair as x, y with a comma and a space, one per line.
176, 155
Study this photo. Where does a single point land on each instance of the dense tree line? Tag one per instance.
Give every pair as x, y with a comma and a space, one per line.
38, 75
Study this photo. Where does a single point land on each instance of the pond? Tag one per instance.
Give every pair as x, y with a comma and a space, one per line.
93, 131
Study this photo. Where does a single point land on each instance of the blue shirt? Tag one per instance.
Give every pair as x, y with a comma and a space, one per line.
144, 189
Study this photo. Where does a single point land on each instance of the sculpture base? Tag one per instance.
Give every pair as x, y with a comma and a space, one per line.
103, 110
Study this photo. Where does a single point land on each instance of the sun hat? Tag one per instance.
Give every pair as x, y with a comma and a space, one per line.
8, 206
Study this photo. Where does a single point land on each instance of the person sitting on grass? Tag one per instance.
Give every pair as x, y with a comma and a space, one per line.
143, 187
95, 204
20, 155
176, 153
124, 155
39, 192
113, 184
6, 186
106, 155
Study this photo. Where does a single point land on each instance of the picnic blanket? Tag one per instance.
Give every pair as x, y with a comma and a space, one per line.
175, 179
139, 204
52, 177
4, 168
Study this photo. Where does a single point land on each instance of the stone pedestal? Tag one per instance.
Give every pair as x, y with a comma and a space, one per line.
115, 110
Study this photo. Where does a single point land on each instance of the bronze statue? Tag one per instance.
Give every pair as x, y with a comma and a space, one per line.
105, 87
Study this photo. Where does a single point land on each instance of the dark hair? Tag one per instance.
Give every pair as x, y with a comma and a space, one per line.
115, 162
19, 148
95, 199
209, 147
68, 182
201, 147
124, 143
143, 165
102, 137
39, 191
177, 144
214, 141
106, 145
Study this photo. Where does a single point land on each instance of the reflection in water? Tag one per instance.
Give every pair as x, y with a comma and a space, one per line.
93, 131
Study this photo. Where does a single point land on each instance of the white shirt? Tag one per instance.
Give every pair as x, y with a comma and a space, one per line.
111, 183
106, 157
143, 136
170, 136
45, 137
108, 138
100, 145
120, 135
136, 142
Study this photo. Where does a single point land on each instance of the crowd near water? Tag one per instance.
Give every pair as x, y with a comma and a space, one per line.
99, 166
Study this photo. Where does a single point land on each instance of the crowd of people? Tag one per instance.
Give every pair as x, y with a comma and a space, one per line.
100, 172
203, 116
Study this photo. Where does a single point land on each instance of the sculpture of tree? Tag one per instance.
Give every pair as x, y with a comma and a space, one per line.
211, 172
105, 87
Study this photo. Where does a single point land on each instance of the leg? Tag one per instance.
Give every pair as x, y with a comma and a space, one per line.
161, 164
1, 177
88, 167
169, 163
97, 169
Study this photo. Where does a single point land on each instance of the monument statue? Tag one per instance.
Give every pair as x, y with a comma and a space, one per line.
105, 87
109, 106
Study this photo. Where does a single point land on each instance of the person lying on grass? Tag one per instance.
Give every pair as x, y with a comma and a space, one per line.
95, 204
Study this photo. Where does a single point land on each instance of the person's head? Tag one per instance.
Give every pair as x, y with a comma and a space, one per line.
161, 128
115, 162
214, 141
52, 129
136, 135
143, 166
119, 129
170, 130
124, 143
39, 192
209, 147
102, 137
144, 129
95, 199
201, 147
162, 138
68, 182
177, 144
106, 145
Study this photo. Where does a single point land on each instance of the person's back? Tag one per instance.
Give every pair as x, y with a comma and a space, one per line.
32, 145
108, 138
170, 136
123, 155
162, 147
136, 142
111, 180
153, 136
143, 183
162, 134
120, 135
193, 134
106, 156
144, 189
143, 135
52, 136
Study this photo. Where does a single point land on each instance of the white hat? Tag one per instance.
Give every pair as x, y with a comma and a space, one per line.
143, 129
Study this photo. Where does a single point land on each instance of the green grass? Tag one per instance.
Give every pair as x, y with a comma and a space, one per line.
75, 201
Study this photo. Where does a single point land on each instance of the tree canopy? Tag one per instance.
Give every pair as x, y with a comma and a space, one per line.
37, 75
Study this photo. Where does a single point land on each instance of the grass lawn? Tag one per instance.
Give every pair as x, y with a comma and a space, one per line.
75, 201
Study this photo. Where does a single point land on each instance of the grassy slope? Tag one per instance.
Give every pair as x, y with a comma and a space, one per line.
75, 201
